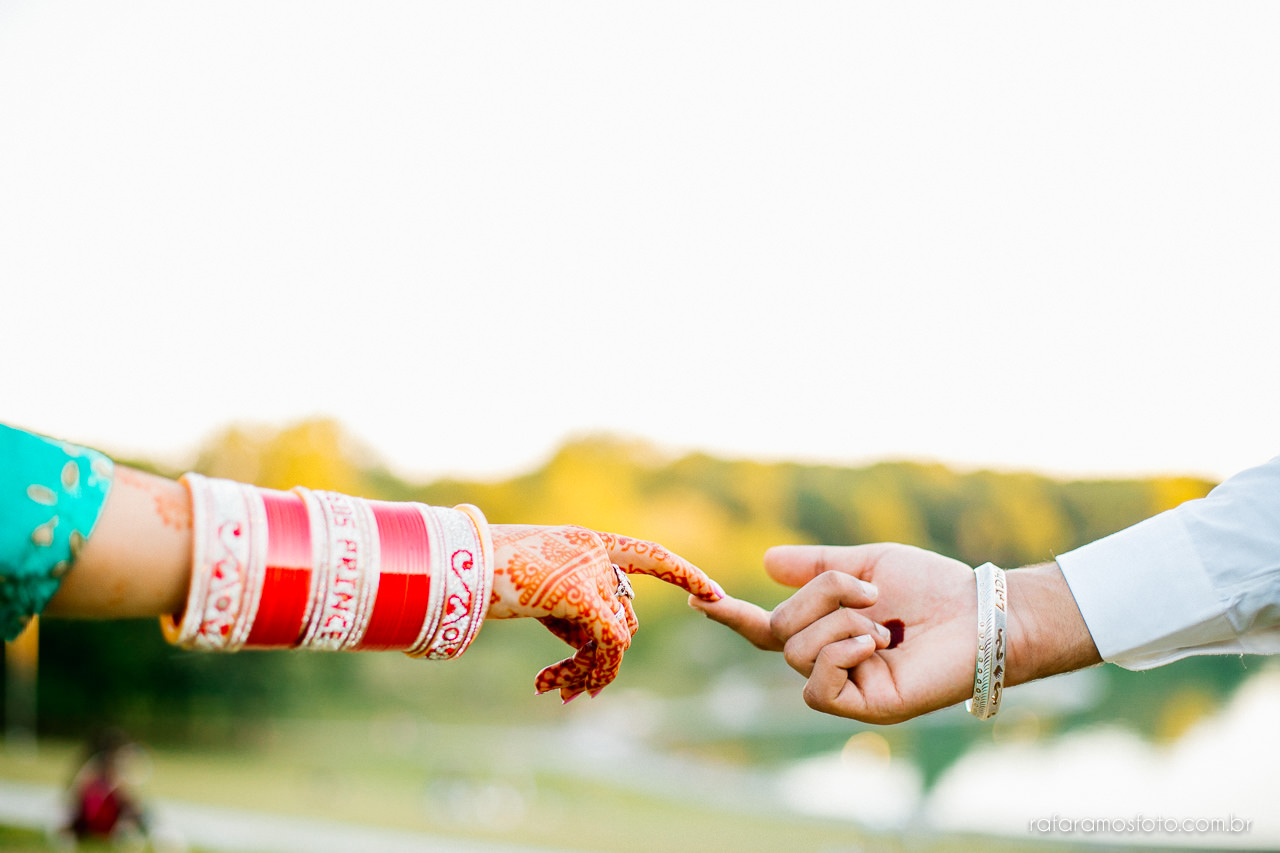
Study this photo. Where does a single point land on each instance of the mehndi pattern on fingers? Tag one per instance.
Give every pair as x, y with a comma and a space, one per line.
640, 556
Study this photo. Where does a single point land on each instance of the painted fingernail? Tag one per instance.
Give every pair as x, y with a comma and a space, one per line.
596, 692
719, 591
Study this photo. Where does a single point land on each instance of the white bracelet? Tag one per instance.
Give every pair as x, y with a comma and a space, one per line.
347, 567
988, 672
480, 605
228, 561
461, 581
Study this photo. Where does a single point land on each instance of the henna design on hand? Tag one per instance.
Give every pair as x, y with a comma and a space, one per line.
565, 577
638, 556
562, 575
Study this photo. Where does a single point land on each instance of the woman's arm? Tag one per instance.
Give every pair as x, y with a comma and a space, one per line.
138, 561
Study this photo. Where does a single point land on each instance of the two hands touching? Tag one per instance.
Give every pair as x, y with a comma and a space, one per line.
882, 633
573, 580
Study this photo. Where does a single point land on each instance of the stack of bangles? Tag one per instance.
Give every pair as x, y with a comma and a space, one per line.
988, 673
321, 570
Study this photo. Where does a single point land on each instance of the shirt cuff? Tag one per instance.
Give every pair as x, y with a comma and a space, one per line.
1146, 597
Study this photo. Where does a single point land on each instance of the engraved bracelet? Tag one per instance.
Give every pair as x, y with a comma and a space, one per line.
988, 671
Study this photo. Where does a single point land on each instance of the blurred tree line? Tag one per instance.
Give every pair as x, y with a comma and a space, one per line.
720, 513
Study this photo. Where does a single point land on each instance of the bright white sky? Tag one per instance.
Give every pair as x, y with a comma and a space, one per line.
1008, 234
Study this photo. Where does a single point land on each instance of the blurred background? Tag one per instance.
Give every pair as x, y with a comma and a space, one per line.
994, 280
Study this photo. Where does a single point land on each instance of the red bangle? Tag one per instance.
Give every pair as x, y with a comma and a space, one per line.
404, 585
286, 587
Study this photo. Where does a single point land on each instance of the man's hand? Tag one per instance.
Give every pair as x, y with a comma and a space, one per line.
829, 633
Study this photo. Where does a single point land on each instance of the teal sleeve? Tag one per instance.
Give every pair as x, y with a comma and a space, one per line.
51, 495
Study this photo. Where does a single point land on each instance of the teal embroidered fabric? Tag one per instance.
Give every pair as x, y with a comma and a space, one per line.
51, 494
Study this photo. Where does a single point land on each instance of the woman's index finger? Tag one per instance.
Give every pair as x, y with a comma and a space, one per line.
641, 556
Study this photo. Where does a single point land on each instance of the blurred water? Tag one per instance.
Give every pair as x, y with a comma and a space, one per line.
1224, 767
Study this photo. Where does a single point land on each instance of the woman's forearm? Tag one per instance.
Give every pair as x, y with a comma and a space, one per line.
138, 561
199, 552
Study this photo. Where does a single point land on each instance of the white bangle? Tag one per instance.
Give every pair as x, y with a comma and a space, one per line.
461, 581
480, 605
227, 564
347, 567
988, 671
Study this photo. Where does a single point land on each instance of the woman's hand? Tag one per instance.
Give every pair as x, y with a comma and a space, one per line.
573, 581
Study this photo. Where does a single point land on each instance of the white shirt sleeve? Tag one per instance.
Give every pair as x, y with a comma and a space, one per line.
1203, 578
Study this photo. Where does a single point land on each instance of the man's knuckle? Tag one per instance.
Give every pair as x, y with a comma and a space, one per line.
851, 620
778, 625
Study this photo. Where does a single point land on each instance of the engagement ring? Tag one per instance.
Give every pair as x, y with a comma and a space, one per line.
624, 589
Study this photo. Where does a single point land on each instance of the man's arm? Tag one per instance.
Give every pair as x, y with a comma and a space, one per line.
1203, 578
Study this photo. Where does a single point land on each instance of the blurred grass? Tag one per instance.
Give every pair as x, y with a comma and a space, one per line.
354, 773
15, 840
381, 775
18, 840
